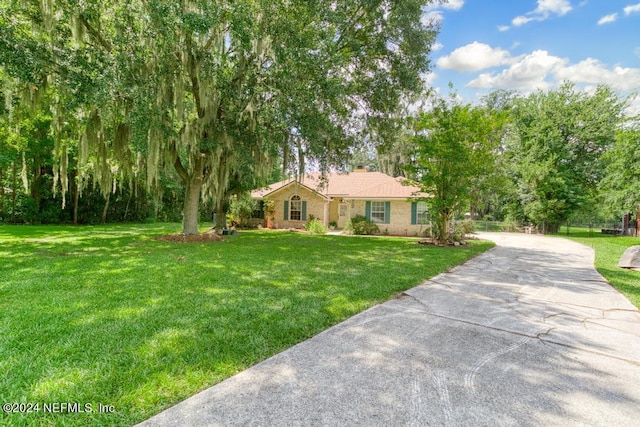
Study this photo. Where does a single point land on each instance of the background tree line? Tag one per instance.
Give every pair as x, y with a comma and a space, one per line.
546, 158
543, 159
155, 110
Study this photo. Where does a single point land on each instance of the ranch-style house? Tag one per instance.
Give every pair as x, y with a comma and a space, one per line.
339, 196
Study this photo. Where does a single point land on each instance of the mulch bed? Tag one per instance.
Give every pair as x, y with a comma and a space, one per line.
207, 236
431, 242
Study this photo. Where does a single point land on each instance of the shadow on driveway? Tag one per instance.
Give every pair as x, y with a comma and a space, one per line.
526, 334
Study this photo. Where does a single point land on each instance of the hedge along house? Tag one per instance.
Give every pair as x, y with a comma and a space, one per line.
335, 198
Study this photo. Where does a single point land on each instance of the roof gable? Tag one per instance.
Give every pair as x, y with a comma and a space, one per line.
282, 186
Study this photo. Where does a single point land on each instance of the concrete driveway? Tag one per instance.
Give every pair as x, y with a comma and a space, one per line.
527, 334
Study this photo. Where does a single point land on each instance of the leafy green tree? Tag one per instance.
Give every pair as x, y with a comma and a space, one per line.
620, 188
456, 147
555, 149
217, 91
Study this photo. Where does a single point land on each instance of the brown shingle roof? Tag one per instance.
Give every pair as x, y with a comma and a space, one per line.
355, 185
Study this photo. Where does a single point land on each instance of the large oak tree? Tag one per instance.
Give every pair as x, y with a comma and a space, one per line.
215, 90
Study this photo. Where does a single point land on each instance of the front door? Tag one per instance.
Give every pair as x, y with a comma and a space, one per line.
343, 214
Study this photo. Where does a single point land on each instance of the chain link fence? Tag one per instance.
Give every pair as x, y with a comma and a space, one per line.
612, 228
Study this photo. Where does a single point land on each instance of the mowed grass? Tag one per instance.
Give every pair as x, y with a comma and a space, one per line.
608, 251
111, 316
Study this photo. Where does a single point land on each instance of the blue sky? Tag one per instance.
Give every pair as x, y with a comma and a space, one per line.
536, 44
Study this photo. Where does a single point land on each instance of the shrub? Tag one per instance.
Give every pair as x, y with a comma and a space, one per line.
427, 231
241, 208
315, 226
458, 230
360, 225
467, 226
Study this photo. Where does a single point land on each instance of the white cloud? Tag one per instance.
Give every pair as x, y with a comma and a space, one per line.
432, 17
545, 9
528, 74
520, 20
453, 4
539, 70
446, 4
592, 71
633, 108
432, 14
436, 47
608, 19
557, 7
503, 28
632, 9
474, 57
429, 78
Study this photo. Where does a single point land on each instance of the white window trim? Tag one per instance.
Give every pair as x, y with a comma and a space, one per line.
422, 217
380, 209
298, 201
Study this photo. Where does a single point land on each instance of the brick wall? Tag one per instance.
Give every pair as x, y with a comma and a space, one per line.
400, 223
315, 206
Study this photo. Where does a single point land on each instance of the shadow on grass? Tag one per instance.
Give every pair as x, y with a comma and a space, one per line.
109, 315
513, 338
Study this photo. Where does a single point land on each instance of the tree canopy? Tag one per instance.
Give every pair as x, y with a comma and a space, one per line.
555, 149
215, 91
455, 148
620, 185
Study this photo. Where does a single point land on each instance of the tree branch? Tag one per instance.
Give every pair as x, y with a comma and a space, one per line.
95, 33
193, 75
182, 172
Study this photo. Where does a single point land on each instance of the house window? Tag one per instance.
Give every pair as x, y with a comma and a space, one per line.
295, 209
377, 212
422, 213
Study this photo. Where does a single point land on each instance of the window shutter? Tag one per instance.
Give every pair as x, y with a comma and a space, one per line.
304, 210
286, 210
367, 211
414, 213
387, 212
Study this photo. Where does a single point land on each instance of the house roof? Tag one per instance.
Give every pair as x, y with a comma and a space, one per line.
355, 185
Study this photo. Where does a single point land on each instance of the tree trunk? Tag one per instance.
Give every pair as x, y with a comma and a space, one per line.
106, 208
36, 183
221, 219
14, 185
193, 185
1, 197
126, 209
76, 197
444, 230
191, 206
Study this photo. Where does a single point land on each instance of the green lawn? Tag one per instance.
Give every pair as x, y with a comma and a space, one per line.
609, 249
108, 315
